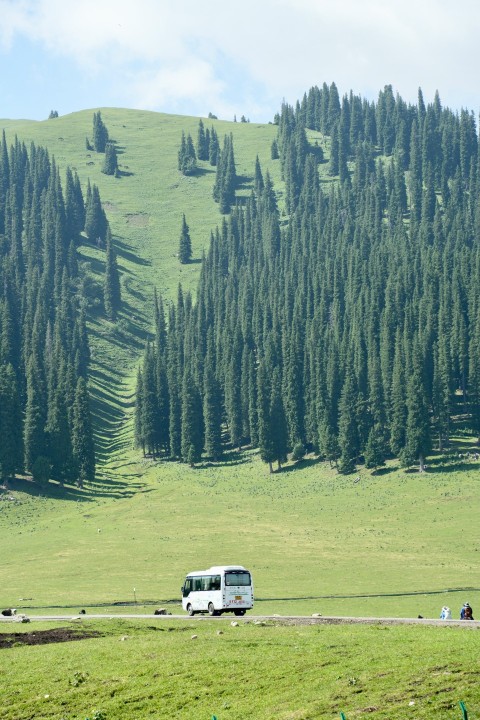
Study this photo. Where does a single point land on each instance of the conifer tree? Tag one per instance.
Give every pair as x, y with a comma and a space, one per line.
82, 436
202, 146
35, 415
95, 218
212, 409
111, 285
474, 377
232, 385
328, 441
149, 402
376, 448
192, 421
213, 148
139, 435
163, 405
347, 429
265, 430
110, 164
334, 164
59, 437
185, 244
10, 425
417, 436
278, 421
258, 182
74, 205
100, 133
226, 177
174, 387
399, 408
187, 157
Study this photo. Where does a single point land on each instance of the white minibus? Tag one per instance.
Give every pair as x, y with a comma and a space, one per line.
223, 588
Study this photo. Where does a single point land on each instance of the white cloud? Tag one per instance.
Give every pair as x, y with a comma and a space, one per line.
270, 48
191, 80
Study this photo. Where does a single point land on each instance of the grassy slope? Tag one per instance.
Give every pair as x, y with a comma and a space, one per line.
145, 209
306, 536
308, 533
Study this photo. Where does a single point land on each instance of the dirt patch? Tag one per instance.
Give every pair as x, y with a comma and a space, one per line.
44, 637
137, 219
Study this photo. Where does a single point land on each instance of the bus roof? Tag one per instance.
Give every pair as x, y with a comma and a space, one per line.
216, 569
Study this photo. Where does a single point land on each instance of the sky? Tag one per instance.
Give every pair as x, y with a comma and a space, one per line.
192, 57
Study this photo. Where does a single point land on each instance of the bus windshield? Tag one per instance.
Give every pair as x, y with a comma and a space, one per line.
237, 577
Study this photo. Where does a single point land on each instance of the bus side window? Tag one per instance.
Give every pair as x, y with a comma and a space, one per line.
215, 584
196, 584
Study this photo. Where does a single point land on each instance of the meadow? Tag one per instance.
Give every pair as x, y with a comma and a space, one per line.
199, 669
392, 544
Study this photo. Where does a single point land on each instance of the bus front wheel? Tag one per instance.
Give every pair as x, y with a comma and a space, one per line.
211, 610
239, 612
190, 610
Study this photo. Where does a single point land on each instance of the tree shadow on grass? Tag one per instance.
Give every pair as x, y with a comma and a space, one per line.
124, 250
244, 182
230, 458
300, 465
200, 171
193, 261
380, 472
459, 466
53, 490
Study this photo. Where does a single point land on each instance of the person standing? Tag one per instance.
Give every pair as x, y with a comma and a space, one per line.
466, 612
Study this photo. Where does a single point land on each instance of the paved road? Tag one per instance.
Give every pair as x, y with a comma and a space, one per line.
283, 619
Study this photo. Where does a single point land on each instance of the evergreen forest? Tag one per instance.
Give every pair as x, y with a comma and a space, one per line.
347, 322
45, 416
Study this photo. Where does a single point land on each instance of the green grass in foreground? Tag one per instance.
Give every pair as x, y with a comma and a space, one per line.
140, 671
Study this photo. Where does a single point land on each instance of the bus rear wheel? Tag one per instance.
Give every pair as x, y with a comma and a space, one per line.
190, 610
239, 612
211, 610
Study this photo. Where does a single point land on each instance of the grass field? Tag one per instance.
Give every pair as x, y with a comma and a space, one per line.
315, 541
392, 544
143, 670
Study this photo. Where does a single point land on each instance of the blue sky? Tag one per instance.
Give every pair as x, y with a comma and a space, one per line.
198, 56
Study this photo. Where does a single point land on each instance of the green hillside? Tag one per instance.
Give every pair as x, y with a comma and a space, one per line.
391, 542
388, 544
145, 205
144, 208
